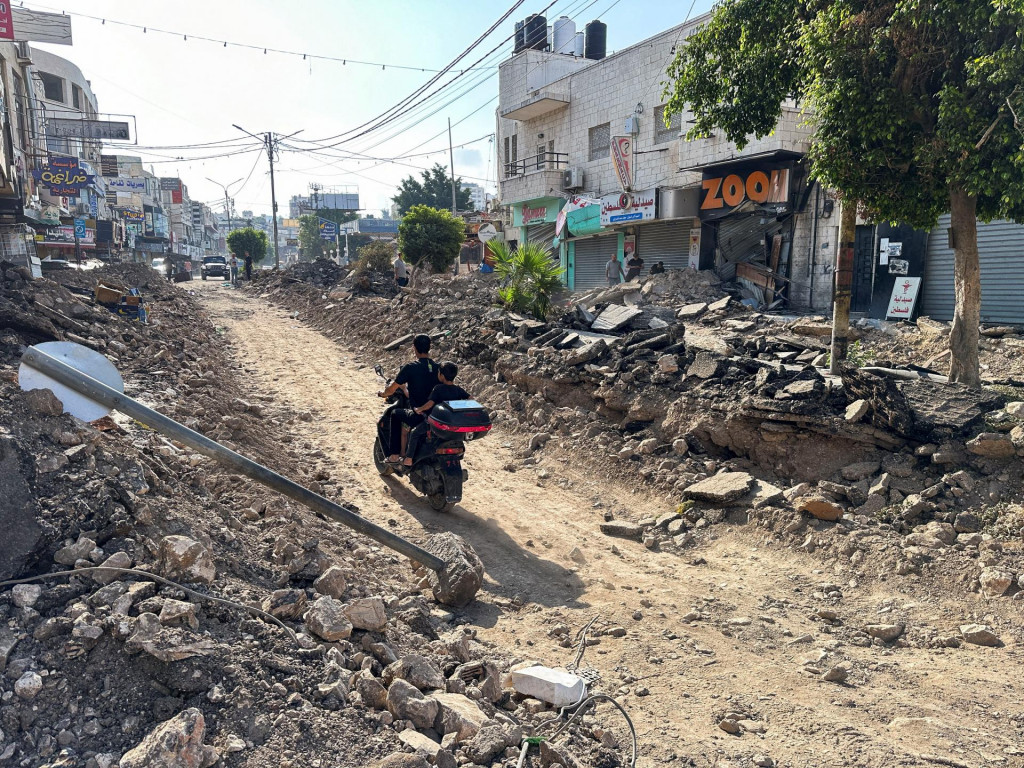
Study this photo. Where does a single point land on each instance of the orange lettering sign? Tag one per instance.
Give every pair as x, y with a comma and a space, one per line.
711, 199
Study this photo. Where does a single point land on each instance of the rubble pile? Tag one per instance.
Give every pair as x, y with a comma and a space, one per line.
265, 636
341, 282
682, 385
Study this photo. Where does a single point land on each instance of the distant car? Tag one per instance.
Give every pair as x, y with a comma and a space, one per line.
217, 266
158, 264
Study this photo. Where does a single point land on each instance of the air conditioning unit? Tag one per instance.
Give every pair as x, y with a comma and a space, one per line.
572, 178
83, 209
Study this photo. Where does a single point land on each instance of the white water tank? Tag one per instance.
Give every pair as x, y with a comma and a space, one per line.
578, 44
564, 35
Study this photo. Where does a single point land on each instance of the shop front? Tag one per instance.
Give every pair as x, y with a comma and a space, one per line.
659, 225
586, 244
746, 214
535, 220
60, 243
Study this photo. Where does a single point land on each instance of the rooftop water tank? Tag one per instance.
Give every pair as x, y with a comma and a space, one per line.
536, 32
597, 40
520, 40
578, 45
565, 35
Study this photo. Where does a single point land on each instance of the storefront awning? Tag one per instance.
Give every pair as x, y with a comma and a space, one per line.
584, 221
777, 155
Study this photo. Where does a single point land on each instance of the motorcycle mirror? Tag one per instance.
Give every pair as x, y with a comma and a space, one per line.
379, 371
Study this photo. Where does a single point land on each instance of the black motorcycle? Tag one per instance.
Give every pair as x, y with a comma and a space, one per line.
436, 469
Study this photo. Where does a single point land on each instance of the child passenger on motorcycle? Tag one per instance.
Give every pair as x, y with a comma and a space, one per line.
446, 391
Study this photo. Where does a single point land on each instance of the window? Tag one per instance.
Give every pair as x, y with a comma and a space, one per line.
601, 142
53, 87
19, 108
541, 165
662, 133
76, 96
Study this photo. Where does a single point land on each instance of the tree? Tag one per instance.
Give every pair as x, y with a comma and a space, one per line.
311, 245
378, 256
430, 237
529, 277
914, 107
248, 240
434, 190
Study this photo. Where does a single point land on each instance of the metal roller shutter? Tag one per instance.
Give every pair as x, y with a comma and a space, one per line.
592, 254
1001, 254
541, 234
668, 242
742, 238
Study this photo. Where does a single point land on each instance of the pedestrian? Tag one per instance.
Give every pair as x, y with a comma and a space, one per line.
613, 271
234, 270
634, 266
248, 266
658, 268
401, 271
169, 269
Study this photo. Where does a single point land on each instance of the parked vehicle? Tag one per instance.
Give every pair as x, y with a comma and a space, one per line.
216, 266
158, 264
436, 469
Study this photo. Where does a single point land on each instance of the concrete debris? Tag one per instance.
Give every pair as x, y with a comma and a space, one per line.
176, 743
979, 634
722, 488
463, 575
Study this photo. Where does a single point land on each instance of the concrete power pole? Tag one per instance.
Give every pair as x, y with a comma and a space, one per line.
451, 159
843, 286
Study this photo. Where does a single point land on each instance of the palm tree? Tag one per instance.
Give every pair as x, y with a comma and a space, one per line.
529, 277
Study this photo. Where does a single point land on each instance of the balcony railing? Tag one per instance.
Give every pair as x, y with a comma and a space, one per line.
544, 161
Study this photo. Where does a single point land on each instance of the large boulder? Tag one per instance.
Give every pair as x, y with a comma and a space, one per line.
819, 507
996, 582
992, 445
722, 488
327, 620
458, 714
406, 702
176, 743
183, 559
367, 613
463, 575
415, 669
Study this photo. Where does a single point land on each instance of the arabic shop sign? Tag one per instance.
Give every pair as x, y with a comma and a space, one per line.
628, 206
130, 214
904, 297
328, 230
126, 184
64, 176
65, 236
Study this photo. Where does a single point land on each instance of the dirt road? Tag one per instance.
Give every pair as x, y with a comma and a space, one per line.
729, 628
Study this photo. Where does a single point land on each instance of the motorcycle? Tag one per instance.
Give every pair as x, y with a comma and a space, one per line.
436, 469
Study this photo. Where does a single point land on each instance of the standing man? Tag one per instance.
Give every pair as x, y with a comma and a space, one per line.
233, 264
634, 266
401, 271
248, 266
418, 379
613, 271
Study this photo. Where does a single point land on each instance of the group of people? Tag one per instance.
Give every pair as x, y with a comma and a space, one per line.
426, 384
613, 270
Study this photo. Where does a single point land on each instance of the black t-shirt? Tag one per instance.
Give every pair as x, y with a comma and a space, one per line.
634, 266
444, 393
421, 376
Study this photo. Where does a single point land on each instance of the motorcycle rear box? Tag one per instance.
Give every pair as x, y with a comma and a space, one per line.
465, 419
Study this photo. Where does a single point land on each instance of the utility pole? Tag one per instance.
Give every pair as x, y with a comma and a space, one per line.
269, 143
451, 160
843, 286
227, 199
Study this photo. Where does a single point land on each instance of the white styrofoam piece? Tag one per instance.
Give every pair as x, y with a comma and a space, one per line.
557, 687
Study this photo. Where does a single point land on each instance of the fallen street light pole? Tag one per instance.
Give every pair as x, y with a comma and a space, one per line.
99, 392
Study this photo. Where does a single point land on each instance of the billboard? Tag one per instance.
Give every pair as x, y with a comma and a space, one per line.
38, 27
333, 201
68, 128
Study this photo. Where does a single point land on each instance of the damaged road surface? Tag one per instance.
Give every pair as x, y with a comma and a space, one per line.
731, 646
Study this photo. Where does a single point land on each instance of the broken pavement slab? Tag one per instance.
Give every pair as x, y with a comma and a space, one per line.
722, 488
614, 317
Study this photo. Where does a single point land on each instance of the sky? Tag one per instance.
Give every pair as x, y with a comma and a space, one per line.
186, 91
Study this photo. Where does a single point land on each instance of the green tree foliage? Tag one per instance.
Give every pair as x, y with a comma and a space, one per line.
915, 107
248, 240
431, 238
434, 189
376, 256
310, 243
529, 277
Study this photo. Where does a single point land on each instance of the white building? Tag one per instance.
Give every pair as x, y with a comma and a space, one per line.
477, 196
748, 213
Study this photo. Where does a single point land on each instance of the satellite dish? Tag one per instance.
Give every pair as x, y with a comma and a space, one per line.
82, 359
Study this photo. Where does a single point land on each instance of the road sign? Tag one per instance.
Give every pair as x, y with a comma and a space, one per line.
80, 229
486, 233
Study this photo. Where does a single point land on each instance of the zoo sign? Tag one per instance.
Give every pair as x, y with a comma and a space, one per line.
722, 193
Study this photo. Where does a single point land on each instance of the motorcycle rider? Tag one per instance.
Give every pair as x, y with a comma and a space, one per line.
446, 391
418, 379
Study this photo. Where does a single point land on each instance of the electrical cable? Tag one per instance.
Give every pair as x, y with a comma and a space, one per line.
587, 703
249, 46
162, 580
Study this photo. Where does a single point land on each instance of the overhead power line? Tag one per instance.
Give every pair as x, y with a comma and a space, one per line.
187, 36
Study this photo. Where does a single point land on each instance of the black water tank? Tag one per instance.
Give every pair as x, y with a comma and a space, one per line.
596, 41
520, 40
536, 32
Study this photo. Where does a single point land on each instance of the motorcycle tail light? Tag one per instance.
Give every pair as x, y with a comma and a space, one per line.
451, 451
